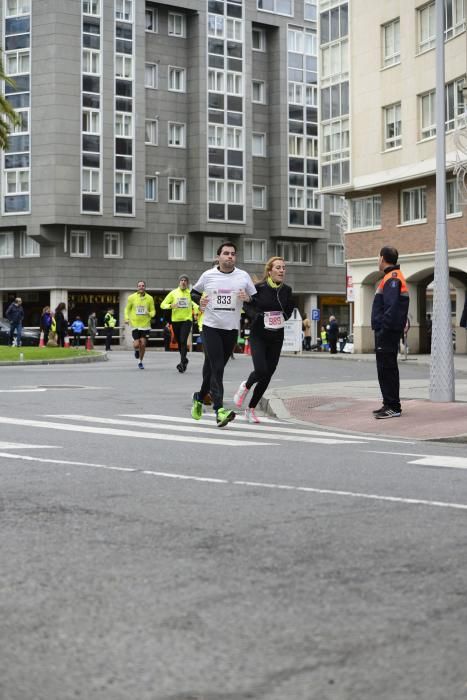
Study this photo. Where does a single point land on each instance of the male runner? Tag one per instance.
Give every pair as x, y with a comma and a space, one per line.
138, 313
179, 300
220, 292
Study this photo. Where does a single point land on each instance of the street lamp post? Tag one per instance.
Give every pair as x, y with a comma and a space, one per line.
442, 359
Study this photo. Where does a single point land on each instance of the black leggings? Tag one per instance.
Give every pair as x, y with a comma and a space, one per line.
218, 346
265, 352
181, 332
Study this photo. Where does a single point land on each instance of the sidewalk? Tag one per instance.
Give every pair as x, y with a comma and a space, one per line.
348, 405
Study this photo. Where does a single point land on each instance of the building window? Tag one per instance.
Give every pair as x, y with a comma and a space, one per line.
296, 145
296, 198
23, 125
258, 40
453, 207
310, 11
92, 7
91, 62
177, 187
151, 189
176, 25
335, 255
259, 197
7, 242
16, 62
413, 206
177, 135
455, 105
258, 144
280, 7
454, 18
123, 124
215, 80
124, 10
258, 91
234, 83
216, 25
16, 181
177, 247
210, 247
391, 43
15, 8
254, 250
337, 204
124, 66
151, 19
113, 244
216, 191
91, 181
91, 121
235, 137
80, 244
365, 213
428, 115
235, 193
335, 61
294, 253
124, 184
176, 79
151, 130
215, 136
392, 127
150, 75
426, 27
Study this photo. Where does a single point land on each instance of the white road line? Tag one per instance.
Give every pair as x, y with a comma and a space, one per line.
258, 428
252, 484
425, 460
20, 391
198, 429
24, 446
127, 433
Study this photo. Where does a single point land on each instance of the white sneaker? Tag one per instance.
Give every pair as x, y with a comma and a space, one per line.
240, 395
251, 416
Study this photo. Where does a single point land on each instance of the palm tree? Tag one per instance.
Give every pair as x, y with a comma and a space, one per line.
8, 116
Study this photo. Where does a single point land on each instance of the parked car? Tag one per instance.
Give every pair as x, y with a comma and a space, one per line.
30, 336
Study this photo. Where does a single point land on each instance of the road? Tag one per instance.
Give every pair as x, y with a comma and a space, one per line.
148, 557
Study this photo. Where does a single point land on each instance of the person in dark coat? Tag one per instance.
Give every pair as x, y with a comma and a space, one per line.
61, 324
15, 315
45, 323
388, 319
333, 334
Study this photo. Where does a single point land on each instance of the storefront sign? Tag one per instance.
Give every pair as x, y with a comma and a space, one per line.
293, 333
349, 287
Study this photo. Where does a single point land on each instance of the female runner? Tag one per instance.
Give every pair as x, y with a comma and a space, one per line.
270, 307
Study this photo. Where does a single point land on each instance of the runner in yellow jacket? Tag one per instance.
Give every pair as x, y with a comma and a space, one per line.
139, 311
183, 308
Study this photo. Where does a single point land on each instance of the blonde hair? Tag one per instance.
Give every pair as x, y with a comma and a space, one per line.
268, 266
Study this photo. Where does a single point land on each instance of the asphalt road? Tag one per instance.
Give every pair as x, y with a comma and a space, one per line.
144, 556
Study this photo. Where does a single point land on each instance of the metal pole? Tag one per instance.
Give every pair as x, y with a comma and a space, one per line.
442, 359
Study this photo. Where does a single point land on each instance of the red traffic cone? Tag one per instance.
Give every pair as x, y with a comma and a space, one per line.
247, 347
88, 343
41, 340
66, 342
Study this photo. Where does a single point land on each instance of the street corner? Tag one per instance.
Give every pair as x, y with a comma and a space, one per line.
420, 419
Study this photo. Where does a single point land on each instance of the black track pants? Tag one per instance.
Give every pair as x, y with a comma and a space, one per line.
181, 332
218, 346
265, 352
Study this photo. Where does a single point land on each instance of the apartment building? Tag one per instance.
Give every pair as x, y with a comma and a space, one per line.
378, 141
150, 132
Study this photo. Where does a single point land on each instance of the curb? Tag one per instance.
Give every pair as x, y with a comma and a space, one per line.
101, 357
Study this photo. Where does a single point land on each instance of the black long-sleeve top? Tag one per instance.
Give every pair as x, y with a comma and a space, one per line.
268, 299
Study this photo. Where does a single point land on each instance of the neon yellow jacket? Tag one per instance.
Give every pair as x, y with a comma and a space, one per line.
140, 310
180, 313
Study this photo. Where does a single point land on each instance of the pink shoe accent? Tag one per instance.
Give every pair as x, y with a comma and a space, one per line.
251, 416
240, 395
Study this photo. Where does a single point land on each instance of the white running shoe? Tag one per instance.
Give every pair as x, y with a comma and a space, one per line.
251, 416
240, 395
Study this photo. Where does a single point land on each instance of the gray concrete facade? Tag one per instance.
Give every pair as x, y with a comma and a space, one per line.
55, 132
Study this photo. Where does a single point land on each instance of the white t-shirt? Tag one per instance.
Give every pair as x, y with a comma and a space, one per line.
222, 288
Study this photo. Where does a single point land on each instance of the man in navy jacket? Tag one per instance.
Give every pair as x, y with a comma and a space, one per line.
388, 318
15, 315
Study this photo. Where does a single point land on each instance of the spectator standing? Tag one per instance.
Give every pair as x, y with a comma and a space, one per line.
77, 327
306, 327
333, 334
109, 324
92, 327
45, 323
15, 315
388, 319
324, 338
60, 324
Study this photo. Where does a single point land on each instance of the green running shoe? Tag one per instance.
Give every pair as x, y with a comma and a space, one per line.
197, 407
224, 416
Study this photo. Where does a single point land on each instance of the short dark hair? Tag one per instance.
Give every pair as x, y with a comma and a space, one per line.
390, 254
229, 244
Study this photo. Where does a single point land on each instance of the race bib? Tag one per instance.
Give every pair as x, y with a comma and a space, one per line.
224, 300
182, 303
141, 310
273, 320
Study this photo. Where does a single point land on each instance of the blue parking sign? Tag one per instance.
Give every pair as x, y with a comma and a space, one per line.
315, 314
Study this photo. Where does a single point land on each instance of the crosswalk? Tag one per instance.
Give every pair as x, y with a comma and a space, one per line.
177, 429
